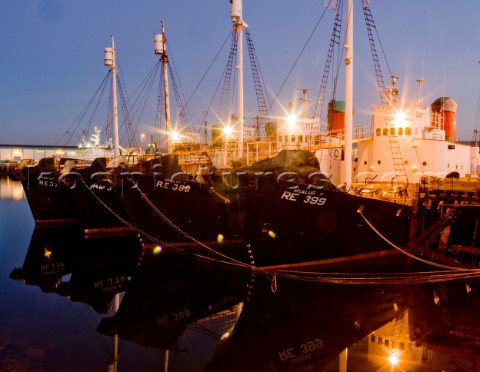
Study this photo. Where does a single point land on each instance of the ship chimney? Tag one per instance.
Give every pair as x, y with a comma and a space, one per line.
336, 116
444, 116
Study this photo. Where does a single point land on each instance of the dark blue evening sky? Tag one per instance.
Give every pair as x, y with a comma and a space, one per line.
51, 58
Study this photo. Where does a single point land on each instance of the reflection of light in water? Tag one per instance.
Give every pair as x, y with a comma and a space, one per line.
11, 189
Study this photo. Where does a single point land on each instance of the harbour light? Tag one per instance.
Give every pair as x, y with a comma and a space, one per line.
227, 130
400, 120
175, 136
393, 359
292, 121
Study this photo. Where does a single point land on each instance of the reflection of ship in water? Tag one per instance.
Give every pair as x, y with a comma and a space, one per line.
171, 291
304, 325
191, 305
92, 271
299, 324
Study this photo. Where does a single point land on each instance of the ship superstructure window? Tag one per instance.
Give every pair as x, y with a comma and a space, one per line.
286, 138
408, 131
392, 131
385, 131
379, 132
300, 138
400, 131
293, 137
279, 138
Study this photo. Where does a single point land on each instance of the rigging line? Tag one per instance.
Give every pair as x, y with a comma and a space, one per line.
124, 93
178, 229
362, 278
182, 112
217, 114
142, 92
208, 68
377, 281
82, 114
201, 329
127, 122
410, 276
402, 250
92, 115
394, 277
174, 73
381, 47
155, 239
296, 60
477, 113
233, 262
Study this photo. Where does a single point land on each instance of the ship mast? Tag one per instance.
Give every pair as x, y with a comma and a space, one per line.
109, 60
238, 26
347, 171
161, 50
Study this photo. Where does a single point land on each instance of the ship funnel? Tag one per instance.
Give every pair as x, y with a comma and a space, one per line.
336, 115
444, 116
159, 44
108, 57
236, 9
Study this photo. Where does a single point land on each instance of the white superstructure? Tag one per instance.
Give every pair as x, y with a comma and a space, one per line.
427, 144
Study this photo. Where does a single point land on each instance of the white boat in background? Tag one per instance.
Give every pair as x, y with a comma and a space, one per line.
91, 148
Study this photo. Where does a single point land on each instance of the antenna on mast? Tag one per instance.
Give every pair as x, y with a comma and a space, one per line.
420, 90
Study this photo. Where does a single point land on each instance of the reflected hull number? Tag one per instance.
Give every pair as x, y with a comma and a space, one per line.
110, 283
302, 352
176, 316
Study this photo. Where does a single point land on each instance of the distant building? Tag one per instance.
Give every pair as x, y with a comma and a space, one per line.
16, 153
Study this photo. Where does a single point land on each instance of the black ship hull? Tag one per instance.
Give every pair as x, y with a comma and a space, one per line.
281, 212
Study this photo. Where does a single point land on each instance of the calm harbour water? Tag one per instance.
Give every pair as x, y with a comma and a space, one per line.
45, 331
40, 330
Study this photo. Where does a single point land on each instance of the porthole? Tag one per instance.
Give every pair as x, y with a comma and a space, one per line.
424, 163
